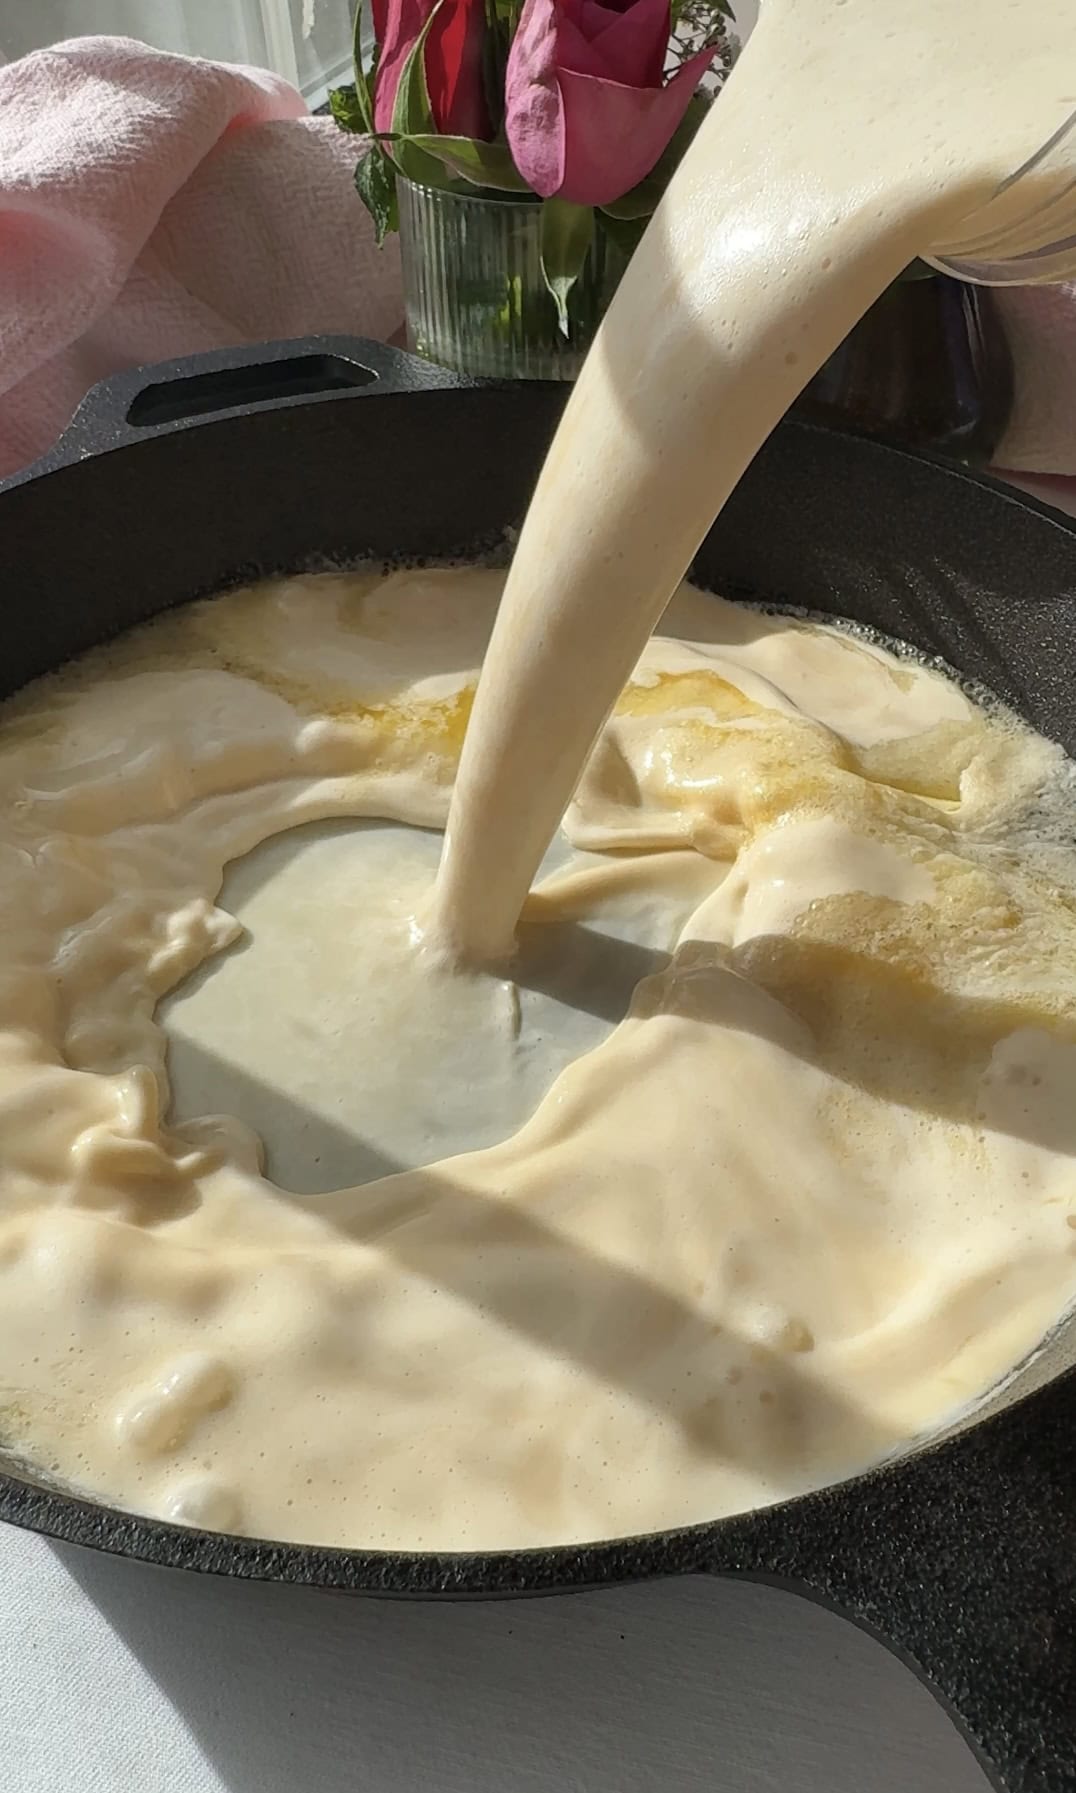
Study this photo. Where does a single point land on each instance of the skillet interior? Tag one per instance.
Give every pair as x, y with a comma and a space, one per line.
332, 451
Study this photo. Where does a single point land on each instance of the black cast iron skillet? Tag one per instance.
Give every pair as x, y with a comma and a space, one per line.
181, 479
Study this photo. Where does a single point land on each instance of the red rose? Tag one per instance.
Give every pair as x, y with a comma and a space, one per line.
452, 59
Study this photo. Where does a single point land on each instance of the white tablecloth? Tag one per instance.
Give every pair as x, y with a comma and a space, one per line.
115, 1678
119, 1679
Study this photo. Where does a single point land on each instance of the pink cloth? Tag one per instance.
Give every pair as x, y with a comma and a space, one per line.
153, 205
1040, 322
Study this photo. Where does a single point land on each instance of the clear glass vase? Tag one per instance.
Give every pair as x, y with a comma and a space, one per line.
474, 296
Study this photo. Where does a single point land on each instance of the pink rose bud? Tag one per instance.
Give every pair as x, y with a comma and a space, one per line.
587, 114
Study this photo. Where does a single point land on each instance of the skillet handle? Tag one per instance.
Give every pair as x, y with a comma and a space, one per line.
962, 1560
149, 401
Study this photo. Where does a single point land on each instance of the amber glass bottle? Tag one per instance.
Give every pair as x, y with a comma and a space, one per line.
928, 367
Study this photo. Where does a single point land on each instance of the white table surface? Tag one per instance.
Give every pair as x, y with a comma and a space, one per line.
115, 1678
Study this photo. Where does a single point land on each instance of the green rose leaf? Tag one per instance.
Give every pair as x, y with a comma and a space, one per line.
412, 116
364, 82
347, 109
567, 233
643, 199
375, 183
483, 164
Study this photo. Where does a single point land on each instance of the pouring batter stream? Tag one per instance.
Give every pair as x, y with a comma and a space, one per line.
847, 141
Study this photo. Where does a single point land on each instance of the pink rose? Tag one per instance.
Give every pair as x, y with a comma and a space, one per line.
452, 60
587, 114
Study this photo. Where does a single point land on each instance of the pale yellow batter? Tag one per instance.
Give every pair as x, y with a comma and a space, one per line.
815, 1193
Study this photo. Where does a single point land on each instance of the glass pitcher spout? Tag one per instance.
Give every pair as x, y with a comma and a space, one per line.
1025, 235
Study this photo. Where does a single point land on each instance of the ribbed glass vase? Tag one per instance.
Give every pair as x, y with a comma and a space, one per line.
474, 296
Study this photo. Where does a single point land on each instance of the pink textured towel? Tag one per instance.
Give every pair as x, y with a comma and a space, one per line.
153, 205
